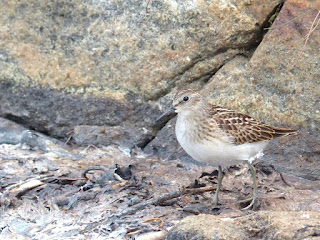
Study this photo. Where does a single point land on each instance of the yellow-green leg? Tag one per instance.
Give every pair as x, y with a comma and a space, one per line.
216, 194
253, 199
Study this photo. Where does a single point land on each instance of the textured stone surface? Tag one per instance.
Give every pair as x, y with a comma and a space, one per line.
98, 63
94, 45
10, 132
56, 113
291, 72
261, 225
205, 227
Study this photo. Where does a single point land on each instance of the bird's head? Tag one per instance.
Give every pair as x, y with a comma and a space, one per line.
187, 100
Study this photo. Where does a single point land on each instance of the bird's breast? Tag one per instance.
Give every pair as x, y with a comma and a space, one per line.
213, 148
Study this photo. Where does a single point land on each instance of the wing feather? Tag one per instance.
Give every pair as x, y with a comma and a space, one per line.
243, 128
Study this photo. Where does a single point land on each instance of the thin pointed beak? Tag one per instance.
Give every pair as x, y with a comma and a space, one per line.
167, 112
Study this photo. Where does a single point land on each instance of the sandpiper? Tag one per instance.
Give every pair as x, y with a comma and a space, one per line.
219, 136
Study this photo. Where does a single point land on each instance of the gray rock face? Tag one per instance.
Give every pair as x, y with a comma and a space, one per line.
56, 113
10, 132
105, 63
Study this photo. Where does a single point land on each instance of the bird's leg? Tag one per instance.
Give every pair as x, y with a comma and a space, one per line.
253, 199
216, 194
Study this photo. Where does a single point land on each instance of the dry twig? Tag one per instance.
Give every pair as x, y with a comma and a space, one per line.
313, 27
165, 198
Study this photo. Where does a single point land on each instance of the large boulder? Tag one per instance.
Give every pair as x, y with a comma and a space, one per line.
73, 65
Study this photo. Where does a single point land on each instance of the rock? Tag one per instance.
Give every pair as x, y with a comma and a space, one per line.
13, 133
165, 143
10, 132
288, 71
73, 63
105, 135
260, 225
205, 227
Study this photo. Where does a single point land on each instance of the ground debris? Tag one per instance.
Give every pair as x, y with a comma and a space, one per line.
110, 195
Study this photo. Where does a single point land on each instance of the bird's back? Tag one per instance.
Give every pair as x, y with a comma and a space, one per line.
245, 129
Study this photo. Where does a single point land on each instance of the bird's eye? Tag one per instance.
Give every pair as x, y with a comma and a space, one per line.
186, 98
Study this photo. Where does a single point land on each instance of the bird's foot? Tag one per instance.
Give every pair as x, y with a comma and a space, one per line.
252, 205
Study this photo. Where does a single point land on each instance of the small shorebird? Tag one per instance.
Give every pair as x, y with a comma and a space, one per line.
219, 136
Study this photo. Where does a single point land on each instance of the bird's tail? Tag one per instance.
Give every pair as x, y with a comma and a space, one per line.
278, 132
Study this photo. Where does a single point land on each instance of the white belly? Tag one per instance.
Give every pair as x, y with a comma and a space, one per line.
216, 152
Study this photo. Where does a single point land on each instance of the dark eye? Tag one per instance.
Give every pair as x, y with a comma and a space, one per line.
186, 98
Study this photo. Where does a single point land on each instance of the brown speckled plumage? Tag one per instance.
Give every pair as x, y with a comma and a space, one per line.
244, 128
